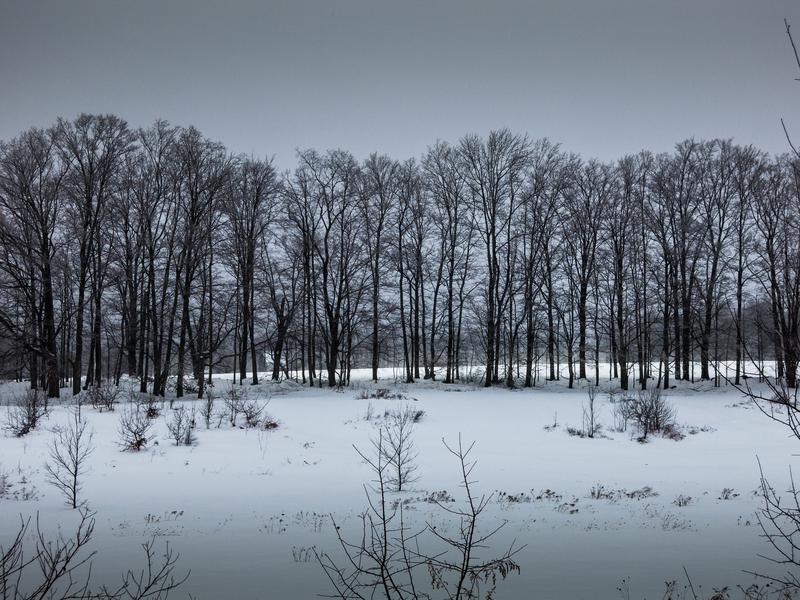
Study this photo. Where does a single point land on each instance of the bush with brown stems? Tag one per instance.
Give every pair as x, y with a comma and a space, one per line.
649, 411
235, 399
251, 410
207, 407
26, 412
134, 428
102, 397
151, 406
181, 425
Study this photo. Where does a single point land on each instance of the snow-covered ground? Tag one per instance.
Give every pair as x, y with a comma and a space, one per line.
244, 507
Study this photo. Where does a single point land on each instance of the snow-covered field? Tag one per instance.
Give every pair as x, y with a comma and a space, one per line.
244, 507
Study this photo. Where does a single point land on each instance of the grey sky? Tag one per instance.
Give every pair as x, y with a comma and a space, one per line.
604, 77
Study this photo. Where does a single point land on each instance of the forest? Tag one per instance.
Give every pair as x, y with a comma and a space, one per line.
157, 254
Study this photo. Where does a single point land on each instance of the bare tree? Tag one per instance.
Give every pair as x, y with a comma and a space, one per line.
337, 253
776, 218
93, 146
156, 218
454, 224
716, 191
585, 207
31, 178
282, 274
201, 171
249, 209
750, 165
303, 218
619, 221
378, 193
397, 444
69, 451
154, 251
493, 169
548, 180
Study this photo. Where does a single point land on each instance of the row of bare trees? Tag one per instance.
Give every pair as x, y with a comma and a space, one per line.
156, 254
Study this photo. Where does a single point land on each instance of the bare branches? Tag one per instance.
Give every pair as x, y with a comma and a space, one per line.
60, 568
382, 559
13, 561
797, 62
779, 402
134, 428
466, 575
28, 409
648, 410
791, 41
54, 567
397, 446
590, 424
155, 581
778, 520
388, 556
69, 450
103, 397
181, 425
780, 527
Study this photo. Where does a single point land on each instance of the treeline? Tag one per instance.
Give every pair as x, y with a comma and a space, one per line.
156, 254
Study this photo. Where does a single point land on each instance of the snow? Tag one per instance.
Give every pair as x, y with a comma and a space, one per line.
243, 507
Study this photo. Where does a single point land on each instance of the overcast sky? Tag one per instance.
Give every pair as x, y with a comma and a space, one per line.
603, 77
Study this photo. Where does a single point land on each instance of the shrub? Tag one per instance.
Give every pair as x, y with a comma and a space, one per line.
599, 492
575, 432
472, 376
554, 425
149, 403
26, 412
590, 424
252, 412
682, 500
620, 413
5, 483
235, 399
369, 415
207, 408
181, 426
379, 394
190, 385
649, 411
134, 428
268, 423
103, 397
671, 431
151, 408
